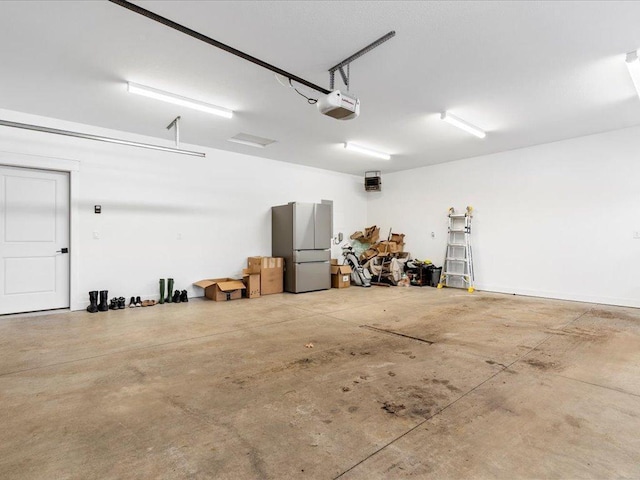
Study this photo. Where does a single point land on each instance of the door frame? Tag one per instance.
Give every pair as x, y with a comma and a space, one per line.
72, 167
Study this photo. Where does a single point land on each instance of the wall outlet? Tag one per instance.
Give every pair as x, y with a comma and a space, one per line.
433, 234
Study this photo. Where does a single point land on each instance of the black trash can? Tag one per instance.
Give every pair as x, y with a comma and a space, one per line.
434, 276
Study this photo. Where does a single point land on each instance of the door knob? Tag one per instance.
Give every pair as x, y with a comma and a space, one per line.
63, 250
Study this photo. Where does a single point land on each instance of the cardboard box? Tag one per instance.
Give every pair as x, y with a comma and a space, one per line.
334, 261
397, 237
383, 247
367, 254
221, 289
340, 276
370, 235
271, 270
252, 282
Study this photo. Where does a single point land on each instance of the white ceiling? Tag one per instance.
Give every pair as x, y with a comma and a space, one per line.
526, 72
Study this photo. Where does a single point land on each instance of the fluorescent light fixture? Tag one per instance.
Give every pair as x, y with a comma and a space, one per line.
251, 140
633, 64
367, 151
178, 100
462, 125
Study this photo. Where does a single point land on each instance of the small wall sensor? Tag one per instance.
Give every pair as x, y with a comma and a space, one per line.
97, 208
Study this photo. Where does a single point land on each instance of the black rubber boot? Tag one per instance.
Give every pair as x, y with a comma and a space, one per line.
169, 290
183, 296
103, 306
121, 302
93, 302
161, 291
176, 297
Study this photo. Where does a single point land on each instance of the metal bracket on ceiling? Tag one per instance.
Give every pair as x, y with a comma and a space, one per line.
347, 61
176, 123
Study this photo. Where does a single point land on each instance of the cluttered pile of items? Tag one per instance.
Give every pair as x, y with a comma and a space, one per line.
385, 263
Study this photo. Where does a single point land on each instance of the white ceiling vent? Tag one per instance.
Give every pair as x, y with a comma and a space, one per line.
251, 140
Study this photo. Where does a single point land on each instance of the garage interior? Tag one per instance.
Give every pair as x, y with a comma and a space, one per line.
530, 370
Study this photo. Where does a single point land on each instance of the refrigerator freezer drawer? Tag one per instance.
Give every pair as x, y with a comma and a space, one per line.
312, 276
300, 256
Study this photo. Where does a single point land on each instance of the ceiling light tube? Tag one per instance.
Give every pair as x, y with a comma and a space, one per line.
178, 100
633, 64
462, 125
367, 151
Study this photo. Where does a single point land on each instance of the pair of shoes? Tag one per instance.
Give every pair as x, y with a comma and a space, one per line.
148, 303
94, 306
113, 304
135, 302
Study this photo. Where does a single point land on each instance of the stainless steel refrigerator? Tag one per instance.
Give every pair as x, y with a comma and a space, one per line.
301, 234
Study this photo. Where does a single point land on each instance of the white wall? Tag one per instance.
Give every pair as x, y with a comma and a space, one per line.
219, 205
554, 220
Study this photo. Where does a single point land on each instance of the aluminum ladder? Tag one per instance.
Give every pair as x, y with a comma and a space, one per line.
457, 270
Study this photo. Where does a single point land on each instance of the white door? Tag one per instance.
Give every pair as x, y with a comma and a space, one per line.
34, 240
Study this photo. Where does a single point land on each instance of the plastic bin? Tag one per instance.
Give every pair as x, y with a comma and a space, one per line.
434, 276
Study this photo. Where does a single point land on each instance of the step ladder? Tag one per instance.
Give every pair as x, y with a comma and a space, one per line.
457, 270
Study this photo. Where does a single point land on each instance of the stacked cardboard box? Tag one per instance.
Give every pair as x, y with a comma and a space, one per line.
340, 275
252, 282
395, 244
267, 273
370, 235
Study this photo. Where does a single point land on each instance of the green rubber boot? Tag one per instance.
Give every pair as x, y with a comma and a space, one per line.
161, 291
169, 289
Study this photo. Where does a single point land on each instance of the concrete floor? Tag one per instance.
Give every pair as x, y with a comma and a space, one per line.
492, 386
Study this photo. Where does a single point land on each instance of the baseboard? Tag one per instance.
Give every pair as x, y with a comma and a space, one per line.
614, 301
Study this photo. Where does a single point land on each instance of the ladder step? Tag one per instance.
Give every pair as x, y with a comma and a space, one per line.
456, 259
455, 274
457, 244
458, 215
460, 230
